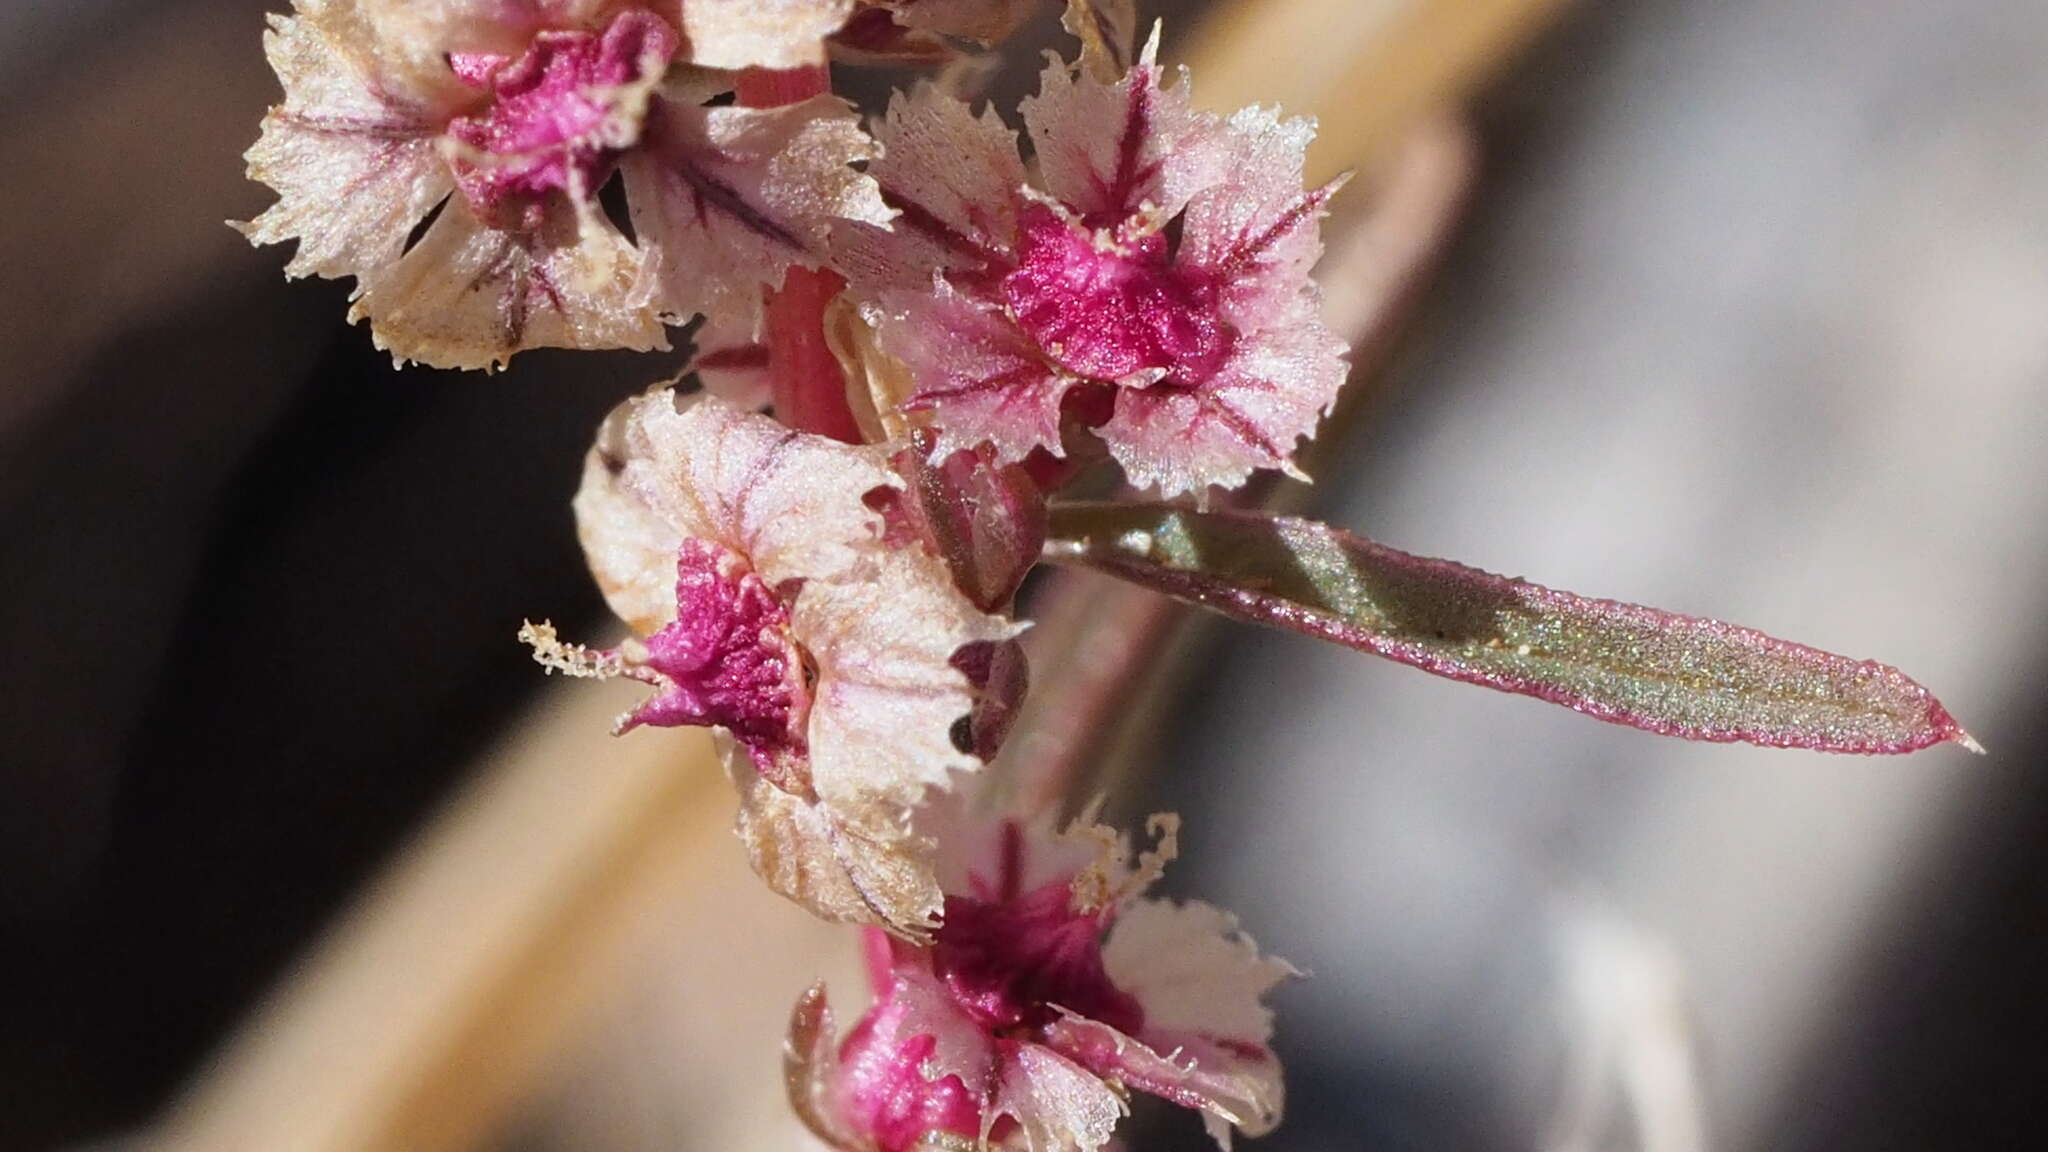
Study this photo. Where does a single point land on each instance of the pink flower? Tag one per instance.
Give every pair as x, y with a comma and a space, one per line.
489, 126
1161, 257
1049, 989
773, 611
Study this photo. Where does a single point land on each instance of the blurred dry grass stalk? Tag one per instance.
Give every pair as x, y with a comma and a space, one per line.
431, 1008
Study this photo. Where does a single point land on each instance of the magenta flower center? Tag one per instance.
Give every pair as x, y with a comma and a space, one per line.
1013, 964
728, 659
1106, 308
554, 122
1013, 959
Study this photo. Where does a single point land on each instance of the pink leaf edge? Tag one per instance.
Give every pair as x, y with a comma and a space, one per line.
1657, 671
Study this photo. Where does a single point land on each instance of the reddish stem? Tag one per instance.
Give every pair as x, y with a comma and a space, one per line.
804, 378
773, 87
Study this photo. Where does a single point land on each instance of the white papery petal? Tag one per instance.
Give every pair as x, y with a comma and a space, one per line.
470, 296
761, 33
787, 503
1106, 149
887, 694
806, 852
879, 626
725, 200
954, 175
351, 151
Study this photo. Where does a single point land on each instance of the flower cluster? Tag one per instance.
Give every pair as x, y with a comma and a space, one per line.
910, 336
1051, 979
489, 127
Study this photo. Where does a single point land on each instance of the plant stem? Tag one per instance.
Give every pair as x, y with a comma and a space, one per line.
804, 378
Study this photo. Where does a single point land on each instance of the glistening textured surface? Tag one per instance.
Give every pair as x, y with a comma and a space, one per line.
1659, 671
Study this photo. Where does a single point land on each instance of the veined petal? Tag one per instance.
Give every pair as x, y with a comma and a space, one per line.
790, 504
1203, 1043
953, 178
986, 853
914, 1068
1256, 231
1107, 150
921, 1007
761, 33
630, 548
724, 200
1271, 392
805, 852
888, 693
975, 372
469, 296
350, 151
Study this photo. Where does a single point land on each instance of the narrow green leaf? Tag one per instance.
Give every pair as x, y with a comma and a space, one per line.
1658, 671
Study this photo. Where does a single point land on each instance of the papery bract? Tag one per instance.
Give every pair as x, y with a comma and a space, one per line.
726, 199
1050, 987
773, 609
776, 34
1164, 257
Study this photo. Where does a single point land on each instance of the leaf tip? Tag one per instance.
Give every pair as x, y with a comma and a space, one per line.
1953, 732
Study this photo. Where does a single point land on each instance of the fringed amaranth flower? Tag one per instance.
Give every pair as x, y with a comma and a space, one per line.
1050, 988
769, 607
1161, 258
499, 121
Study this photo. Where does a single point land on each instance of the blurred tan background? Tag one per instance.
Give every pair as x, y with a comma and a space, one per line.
1743, 317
